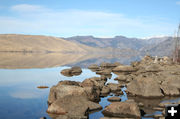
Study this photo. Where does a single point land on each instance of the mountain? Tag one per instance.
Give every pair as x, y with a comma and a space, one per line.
119, 42
159, 46
37, 43
118, 45
163, 48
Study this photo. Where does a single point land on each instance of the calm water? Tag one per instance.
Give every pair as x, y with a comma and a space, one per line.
21, 99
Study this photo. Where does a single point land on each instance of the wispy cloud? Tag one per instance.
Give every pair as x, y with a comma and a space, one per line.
178, 2
35, 19
28, 8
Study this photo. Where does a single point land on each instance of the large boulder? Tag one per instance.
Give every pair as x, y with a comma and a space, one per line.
145, 87
94, 81
60, 91
122, 109
169, 90
124, 68
73, 105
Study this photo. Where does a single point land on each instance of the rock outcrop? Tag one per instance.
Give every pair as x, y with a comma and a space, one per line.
145, 87
122, 109
73, 105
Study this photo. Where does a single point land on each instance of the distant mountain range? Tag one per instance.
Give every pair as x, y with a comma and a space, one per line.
160, 46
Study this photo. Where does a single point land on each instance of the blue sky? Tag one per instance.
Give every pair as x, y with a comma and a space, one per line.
101, 18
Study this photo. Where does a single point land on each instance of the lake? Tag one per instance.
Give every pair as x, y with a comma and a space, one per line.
20, 97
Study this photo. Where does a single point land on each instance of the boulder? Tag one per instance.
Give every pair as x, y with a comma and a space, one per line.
69, 117
153, 68
116, 64
66, 72
170, 90
72, 71
122, 109
114, 87
76, 70
145, 87
93, 93
94, 81
105, 90
60, 91
68, 82
104, 72
73, 105
94, 86
121, 78
107, 65
93, 66
124, 68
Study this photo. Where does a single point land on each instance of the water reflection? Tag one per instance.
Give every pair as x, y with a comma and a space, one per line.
20, 97
47, 60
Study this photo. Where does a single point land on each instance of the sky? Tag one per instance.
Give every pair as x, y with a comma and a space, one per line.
100, 18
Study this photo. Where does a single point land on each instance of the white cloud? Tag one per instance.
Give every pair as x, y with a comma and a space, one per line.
34, 19
178, 2
28, 8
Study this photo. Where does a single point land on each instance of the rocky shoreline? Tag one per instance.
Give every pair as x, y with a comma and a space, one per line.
149, 79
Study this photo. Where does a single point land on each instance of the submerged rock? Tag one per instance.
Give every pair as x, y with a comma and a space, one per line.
42, 87
122, 109
114, 99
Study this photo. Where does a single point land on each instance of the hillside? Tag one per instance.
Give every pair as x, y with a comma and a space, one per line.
86, 44
119, 42
37, 43
164, 48
159, 46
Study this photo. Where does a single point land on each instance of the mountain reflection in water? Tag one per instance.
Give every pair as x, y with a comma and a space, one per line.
20, 74
14, 60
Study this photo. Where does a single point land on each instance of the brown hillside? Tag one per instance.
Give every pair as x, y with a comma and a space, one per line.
37, 43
